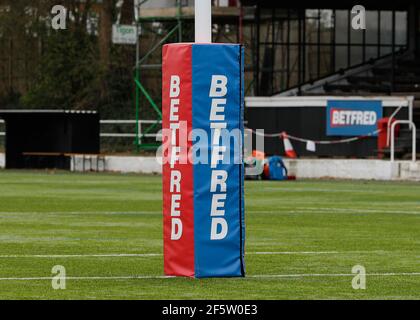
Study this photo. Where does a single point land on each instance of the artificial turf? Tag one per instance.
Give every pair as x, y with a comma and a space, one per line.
302, 239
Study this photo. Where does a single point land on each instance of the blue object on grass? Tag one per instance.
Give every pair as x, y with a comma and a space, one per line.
277, 168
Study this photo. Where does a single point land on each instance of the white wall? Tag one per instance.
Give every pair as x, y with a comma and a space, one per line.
301, 168
125, 164
409, 170
343, 168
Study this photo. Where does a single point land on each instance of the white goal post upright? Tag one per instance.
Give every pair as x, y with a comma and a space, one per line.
202, 21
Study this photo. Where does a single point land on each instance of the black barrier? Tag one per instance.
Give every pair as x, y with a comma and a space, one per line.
309, 123
37, 139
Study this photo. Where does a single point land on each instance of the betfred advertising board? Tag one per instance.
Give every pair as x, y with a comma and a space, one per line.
353, 117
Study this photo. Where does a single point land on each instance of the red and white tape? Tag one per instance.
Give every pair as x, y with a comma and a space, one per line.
347, 140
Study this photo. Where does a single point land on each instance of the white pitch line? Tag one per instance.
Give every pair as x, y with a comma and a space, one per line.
293, 252
345, 210
296, 209
81, 212
81, 255
117, 255
358, 210
87, 278
128, 255
385, 274
298, 275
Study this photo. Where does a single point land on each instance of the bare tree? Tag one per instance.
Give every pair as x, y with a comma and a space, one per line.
105, 29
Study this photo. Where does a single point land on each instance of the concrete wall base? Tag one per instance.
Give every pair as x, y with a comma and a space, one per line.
302, 168
343, 169
124, 164
361, 169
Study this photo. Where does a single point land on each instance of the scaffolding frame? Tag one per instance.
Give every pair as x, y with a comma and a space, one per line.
140, 89
179, 14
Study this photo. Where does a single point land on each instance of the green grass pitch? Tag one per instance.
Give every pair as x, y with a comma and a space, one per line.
302, 239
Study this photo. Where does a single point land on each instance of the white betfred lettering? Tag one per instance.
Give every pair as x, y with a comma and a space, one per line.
218, 204
373, 118
217, 131
218, 186
218, 87
173, 114
335, 117
175, 150
342, 117
214, 234
175, 185
175, 204
174, 89
173, 127
359, 118
176, 229
217, 154
175, 154
217, 106
353, 117
365, 117
218, 178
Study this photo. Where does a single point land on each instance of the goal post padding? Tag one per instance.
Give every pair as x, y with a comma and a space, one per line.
204, 227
